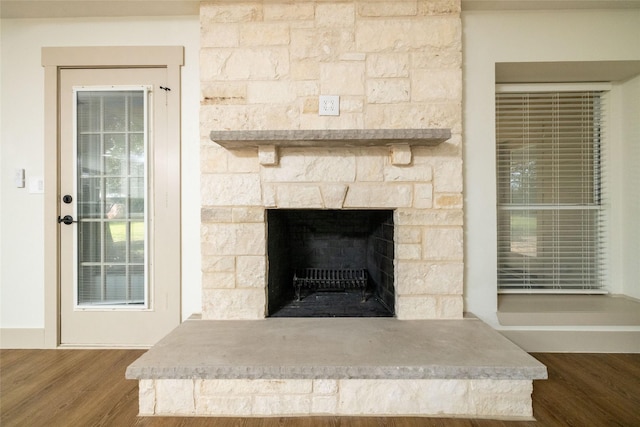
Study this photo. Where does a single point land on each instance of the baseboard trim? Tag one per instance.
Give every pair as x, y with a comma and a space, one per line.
537, 341
21, 338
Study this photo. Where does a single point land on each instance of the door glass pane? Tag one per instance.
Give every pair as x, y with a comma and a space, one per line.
111, 197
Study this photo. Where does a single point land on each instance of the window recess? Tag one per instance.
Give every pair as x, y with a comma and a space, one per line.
550, 189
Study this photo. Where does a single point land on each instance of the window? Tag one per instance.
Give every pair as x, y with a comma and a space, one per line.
550, 190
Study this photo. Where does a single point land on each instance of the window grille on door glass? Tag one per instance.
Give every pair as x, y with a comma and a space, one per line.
111, 149
550, 191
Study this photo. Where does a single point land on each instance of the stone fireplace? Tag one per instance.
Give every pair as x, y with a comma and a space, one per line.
395, 145
275, 174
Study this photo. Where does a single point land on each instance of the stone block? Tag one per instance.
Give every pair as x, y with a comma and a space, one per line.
376, 196
414, 115
213, 159
305, 70
404, 234
324, 405
175, 396
448, 201
230, 189
219, 264
385, 65
307, 89
423, 278
370, 165
219, 35
310, 105
248, 214
312, 165
336, 15
264, 34
428, 217
268, 155
333, 195
257, 63
271, 405
437, 58
218, 280
406, 35
352, 104
299, 196
415, 307
388, 91
211, 13
408, 251
390, 397
447, 175
443, 244
250, 272
215, 215
146, 397
224, 93
436, 85
417, 173
342, 78
439, 7
387, 8
423, 196
353, 56
235, 239
242, 386
233, 304
224, 405
325, 386
320, 44
271, 92
289, 11
451, 306
242, 161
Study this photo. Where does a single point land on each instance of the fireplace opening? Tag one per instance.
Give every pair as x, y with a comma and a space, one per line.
330, 263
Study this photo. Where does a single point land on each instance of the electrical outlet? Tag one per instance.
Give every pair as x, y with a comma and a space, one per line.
329, 105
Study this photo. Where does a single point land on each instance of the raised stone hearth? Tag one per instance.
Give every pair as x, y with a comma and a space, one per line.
297, 367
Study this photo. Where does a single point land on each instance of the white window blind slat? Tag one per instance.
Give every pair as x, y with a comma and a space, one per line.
550, 189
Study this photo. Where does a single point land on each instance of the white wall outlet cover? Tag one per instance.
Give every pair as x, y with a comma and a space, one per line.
36, 185
329, 105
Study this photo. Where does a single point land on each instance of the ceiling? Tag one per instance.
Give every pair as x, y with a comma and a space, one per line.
16, 9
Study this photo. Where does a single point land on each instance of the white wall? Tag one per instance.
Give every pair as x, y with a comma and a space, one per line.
21, 133
631, 181
490, 37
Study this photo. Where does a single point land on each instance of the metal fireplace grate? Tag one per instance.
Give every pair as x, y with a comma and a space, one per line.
330, 279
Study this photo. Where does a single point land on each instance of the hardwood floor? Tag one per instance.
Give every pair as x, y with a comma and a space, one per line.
87, 388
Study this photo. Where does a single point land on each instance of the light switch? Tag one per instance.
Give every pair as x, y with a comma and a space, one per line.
19, 178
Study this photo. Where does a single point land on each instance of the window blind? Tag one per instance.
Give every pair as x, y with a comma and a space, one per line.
550, 191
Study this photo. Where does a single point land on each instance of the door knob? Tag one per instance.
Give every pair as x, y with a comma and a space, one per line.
67, 219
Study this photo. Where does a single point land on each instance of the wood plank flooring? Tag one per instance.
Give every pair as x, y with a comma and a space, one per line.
87, 388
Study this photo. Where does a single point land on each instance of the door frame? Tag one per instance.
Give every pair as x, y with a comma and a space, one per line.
55, 59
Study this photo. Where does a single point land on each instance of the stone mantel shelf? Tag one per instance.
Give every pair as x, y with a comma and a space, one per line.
268, 141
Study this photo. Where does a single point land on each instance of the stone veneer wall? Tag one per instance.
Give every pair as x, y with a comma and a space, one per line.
395, 65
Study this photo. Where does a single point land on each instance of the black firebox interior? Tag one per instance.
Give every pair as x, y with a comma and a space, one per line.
325, 254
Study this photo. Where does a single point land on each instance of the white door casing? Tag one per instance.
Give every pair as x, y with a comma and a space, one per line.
67, 72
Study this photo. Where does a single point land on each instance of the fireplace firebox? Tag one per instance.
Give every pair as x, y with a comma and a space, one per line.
330, 263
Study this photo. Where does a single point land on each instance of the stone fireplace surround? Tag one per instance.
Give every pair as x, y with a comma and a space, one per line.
396, 145
393, 169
